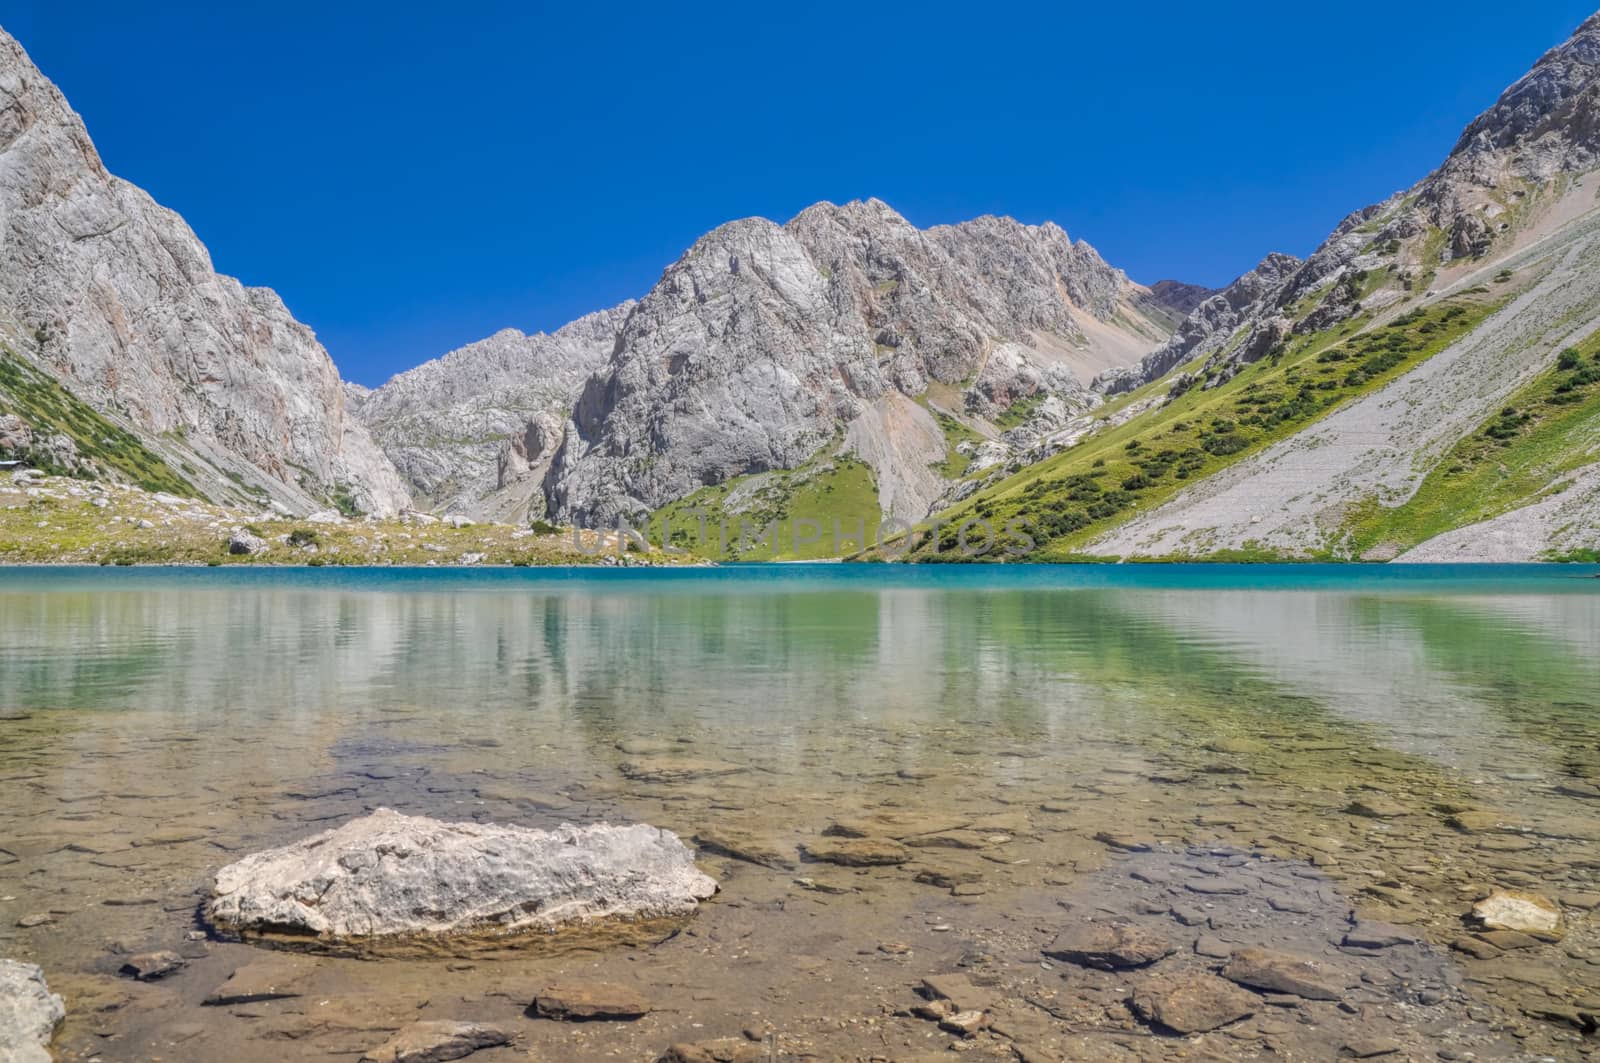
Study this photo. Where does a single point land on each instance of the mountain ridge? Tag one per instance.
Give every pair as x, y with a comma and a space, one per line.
822, 292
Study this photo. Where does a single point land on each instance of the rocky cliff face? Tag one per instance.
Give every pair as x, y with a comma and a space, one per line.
1510, 212
116, 298
474, 431
764, 344
1493, 193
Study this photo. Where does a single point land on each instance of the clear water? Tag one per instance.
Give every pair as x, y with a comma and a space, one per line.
153, 722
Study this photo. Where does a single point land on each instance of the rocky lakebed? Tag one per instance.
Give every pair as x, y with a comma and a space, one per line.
641, 824
1181, 913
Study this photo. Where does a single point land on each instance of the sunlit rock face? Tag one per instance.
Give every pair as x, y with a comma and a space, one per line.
115, 296
388, 875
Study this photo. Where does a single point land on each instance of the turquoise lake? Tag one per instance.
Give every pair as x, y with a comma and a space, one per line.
155, 723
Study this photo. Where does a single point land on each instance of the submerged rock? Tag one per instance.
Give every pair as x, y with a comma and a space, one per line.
717, 1050
253, 983
150, 966
1193, 1002
587, 1001
1108, 947
437, 1042
1281, 972
391, 876
29, 1013
1526, 913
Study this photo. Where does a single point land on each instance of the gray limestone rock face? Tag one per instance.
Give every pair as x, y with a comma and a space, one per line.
1543, 126
474, 431
114, 296
29, 1013
388, 875
764, 343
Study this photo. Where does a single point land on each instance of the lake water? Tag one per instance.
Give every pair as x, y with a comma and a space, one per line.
1033, 735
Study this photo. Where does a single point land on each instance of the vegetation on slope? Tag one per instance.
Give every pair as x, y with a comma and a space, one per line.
54, 520
49, 409
956, 432
817, 511
1517, 456
1210, 423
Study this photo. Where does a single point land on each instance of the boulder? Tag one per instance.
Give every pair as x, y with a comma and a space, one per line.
29, 1013
388, 876
243, 542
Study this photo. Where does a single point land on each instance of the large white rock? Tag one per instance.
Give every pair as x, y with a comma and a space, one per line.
29, 1013
388, 875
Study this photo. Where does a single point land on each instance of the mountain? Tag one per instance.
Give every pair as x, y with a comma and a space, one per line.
475, 430
1179, 297
847, 332
123, 353
1430, 367
848, 329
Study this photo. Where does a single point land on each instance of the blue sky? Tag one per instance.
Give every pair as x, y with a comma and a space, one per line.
411, 177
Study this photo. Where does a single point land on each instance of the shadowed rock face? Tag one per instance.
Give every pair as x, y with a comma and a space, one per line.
115, 296
764, 342
390, 876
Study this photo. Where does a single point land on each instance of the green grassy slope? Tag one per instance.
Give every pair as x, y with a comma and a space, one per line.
49, 408
1516, 457
827, 489
1076, 496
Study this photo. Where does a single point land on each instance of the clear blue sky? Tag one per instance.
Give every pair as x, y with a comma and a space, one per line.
411, 177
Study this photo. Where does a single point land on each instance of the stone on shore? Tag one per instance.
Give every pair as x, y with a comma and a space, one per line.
29, 1013
391, 876
1526, 913
436, 1042
1193, 1003
244, 543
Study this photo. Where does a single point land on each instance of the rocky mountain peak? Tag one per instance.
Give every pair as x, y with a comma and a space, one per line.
763, 344
1549, 119
114, 297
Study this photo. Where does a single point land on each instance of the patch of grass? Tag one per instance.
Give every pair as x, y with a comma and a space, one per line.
49, 408
833, 500
1517, 456
71, 522
955, 463
1019, 411
1077, 496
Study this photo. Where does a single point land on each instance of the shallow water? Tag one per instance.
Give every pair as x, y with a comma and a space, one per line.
154, 722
